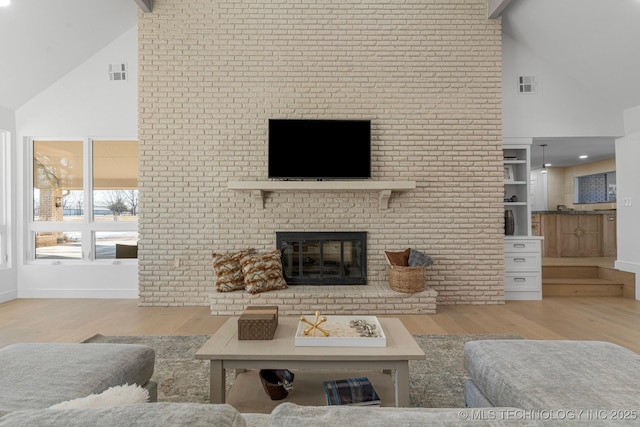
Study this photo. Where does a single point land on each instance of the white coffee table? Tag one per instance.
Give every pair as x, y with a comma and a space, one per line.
225, 351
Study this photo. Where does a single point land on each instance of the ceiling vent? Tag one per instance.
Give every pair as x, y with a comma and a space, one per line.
527, 84
117, 72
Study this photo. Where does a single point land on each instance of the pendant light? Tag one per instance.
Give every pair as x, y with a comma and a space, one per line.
544, 165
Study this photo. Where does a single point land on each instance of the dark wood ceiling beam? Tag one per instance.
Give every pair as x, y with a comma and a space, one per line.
495, 8
145, 5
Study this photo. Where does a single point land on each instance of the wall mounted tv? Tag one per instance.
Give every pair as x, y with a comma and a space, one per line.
319, 149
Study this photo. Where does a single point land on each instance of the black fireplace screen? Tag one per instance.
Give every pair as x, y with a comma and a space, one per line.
323, 258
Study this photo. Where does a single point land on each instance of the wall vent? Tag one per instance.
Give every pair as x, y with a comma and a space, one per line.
527, 84
117, 72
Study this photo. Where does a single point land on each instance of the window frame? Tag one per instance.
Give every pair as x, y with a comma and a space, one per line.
88, 227
5, 201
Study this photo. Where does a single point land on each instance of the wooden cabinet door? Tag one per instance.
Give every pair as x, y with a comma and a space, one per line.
609, 239
551, 242
580, 235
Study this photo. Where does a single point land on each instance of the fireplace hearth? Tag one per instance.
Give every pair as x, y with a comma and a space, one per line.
323, 258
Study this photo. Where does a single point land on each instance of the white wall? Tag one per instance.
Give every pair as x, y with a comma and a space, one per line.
538, 191
628, 176
84, 103
563, 107
8, 276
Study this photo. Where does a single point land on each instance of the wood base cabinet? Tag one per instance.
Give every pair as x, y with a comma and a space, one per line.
578, 235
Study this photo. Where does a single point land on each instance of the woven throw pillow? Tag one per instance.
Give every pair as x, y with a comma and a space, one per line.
418, 259
263, 272
399, 258
228, 270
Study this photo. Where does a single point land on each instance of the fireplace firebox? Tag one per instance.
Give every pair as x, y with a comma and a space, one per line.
323, 258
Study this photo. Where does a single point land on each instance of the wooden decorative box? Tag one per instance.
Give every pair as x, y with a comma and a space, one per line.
258, 322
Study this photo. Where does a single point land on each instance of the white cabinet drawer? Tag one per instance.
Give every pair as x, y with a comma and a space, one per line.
521, 262
511, 246
522, 282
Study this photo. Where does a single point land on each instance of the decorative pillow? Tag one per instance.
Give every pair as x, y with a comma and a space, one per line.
399, 258
114, 396
417, 259
228, 270
263, 272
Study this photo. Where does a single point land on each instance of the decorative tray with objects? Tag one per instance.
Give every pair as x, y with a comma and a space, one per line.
340, 331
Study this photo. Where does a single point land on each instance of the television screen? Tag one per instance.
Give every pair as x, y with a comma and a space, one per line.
319, 149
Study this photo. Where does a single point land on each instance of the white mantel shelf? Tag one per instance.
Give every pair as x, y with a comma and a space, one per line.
383, 188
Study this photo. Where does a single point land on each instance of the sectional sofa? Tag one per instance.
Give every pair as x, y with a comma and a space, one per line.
511, 382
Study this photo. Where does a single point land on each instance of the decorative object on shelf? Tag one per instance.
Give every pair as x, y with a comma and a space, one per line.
509, 223
315, 325
509, 173
277, 383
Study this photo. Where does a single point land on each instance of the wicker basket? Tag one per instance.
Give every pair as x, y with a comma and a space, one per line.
407, 279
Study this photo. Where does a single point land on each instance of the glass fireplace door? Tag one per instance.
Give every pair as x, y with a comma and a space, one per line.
323, 258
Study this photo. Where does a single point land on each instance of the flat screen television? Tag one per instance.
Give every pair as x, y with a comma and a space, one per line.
319, 149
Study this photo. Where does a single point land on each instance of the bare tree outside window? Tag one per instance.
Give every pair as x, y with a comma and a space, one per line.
115, 202
131, 199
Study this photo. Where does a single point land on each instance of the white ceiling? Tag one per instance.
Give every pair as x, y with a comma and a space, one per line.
42, 40
595, 41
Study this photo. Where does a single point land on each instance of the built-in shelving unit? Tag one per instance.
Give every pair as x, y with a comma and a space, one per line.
384, 189
522, 251
517, 183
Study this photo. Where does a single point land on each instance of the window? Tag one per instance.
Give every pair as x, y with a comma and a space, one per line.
4, 198
85, 199
596, 188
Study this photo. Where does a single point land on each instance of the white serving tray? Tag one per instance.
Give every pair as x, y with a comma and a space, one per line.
319, 340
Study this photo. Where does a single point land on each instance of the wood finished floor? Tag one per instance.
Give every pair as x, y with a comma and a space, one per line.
613, 319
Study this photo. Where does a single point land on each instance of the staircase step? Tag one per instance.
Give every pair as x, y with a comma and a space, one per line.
570, 271
579, 286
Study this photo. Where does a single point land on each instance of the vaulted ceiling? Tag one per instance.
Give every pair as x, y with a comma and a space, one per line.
594, 41
42, 40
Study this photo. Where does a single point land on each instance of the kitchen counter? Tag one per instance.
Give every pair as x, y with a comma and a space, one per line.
572, 233
574, 212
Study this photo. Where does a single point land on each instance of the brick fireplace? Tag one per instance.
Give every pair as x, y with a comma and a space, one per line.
321, 269
426, 74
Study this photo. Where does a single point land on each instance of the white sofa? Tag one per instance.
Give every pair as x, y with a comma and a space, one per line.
599, 378
284, 415
512, 382
39, 375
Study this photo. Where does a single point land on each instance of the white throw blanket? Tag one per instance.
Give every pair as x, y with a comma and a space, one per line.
114, 396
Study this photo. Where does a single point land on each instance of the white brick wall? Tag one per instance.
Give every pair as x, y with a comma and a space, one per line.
428, 75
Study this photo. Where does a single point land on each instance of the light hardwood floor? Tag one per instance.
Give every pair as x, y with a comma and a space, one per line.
613, 319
